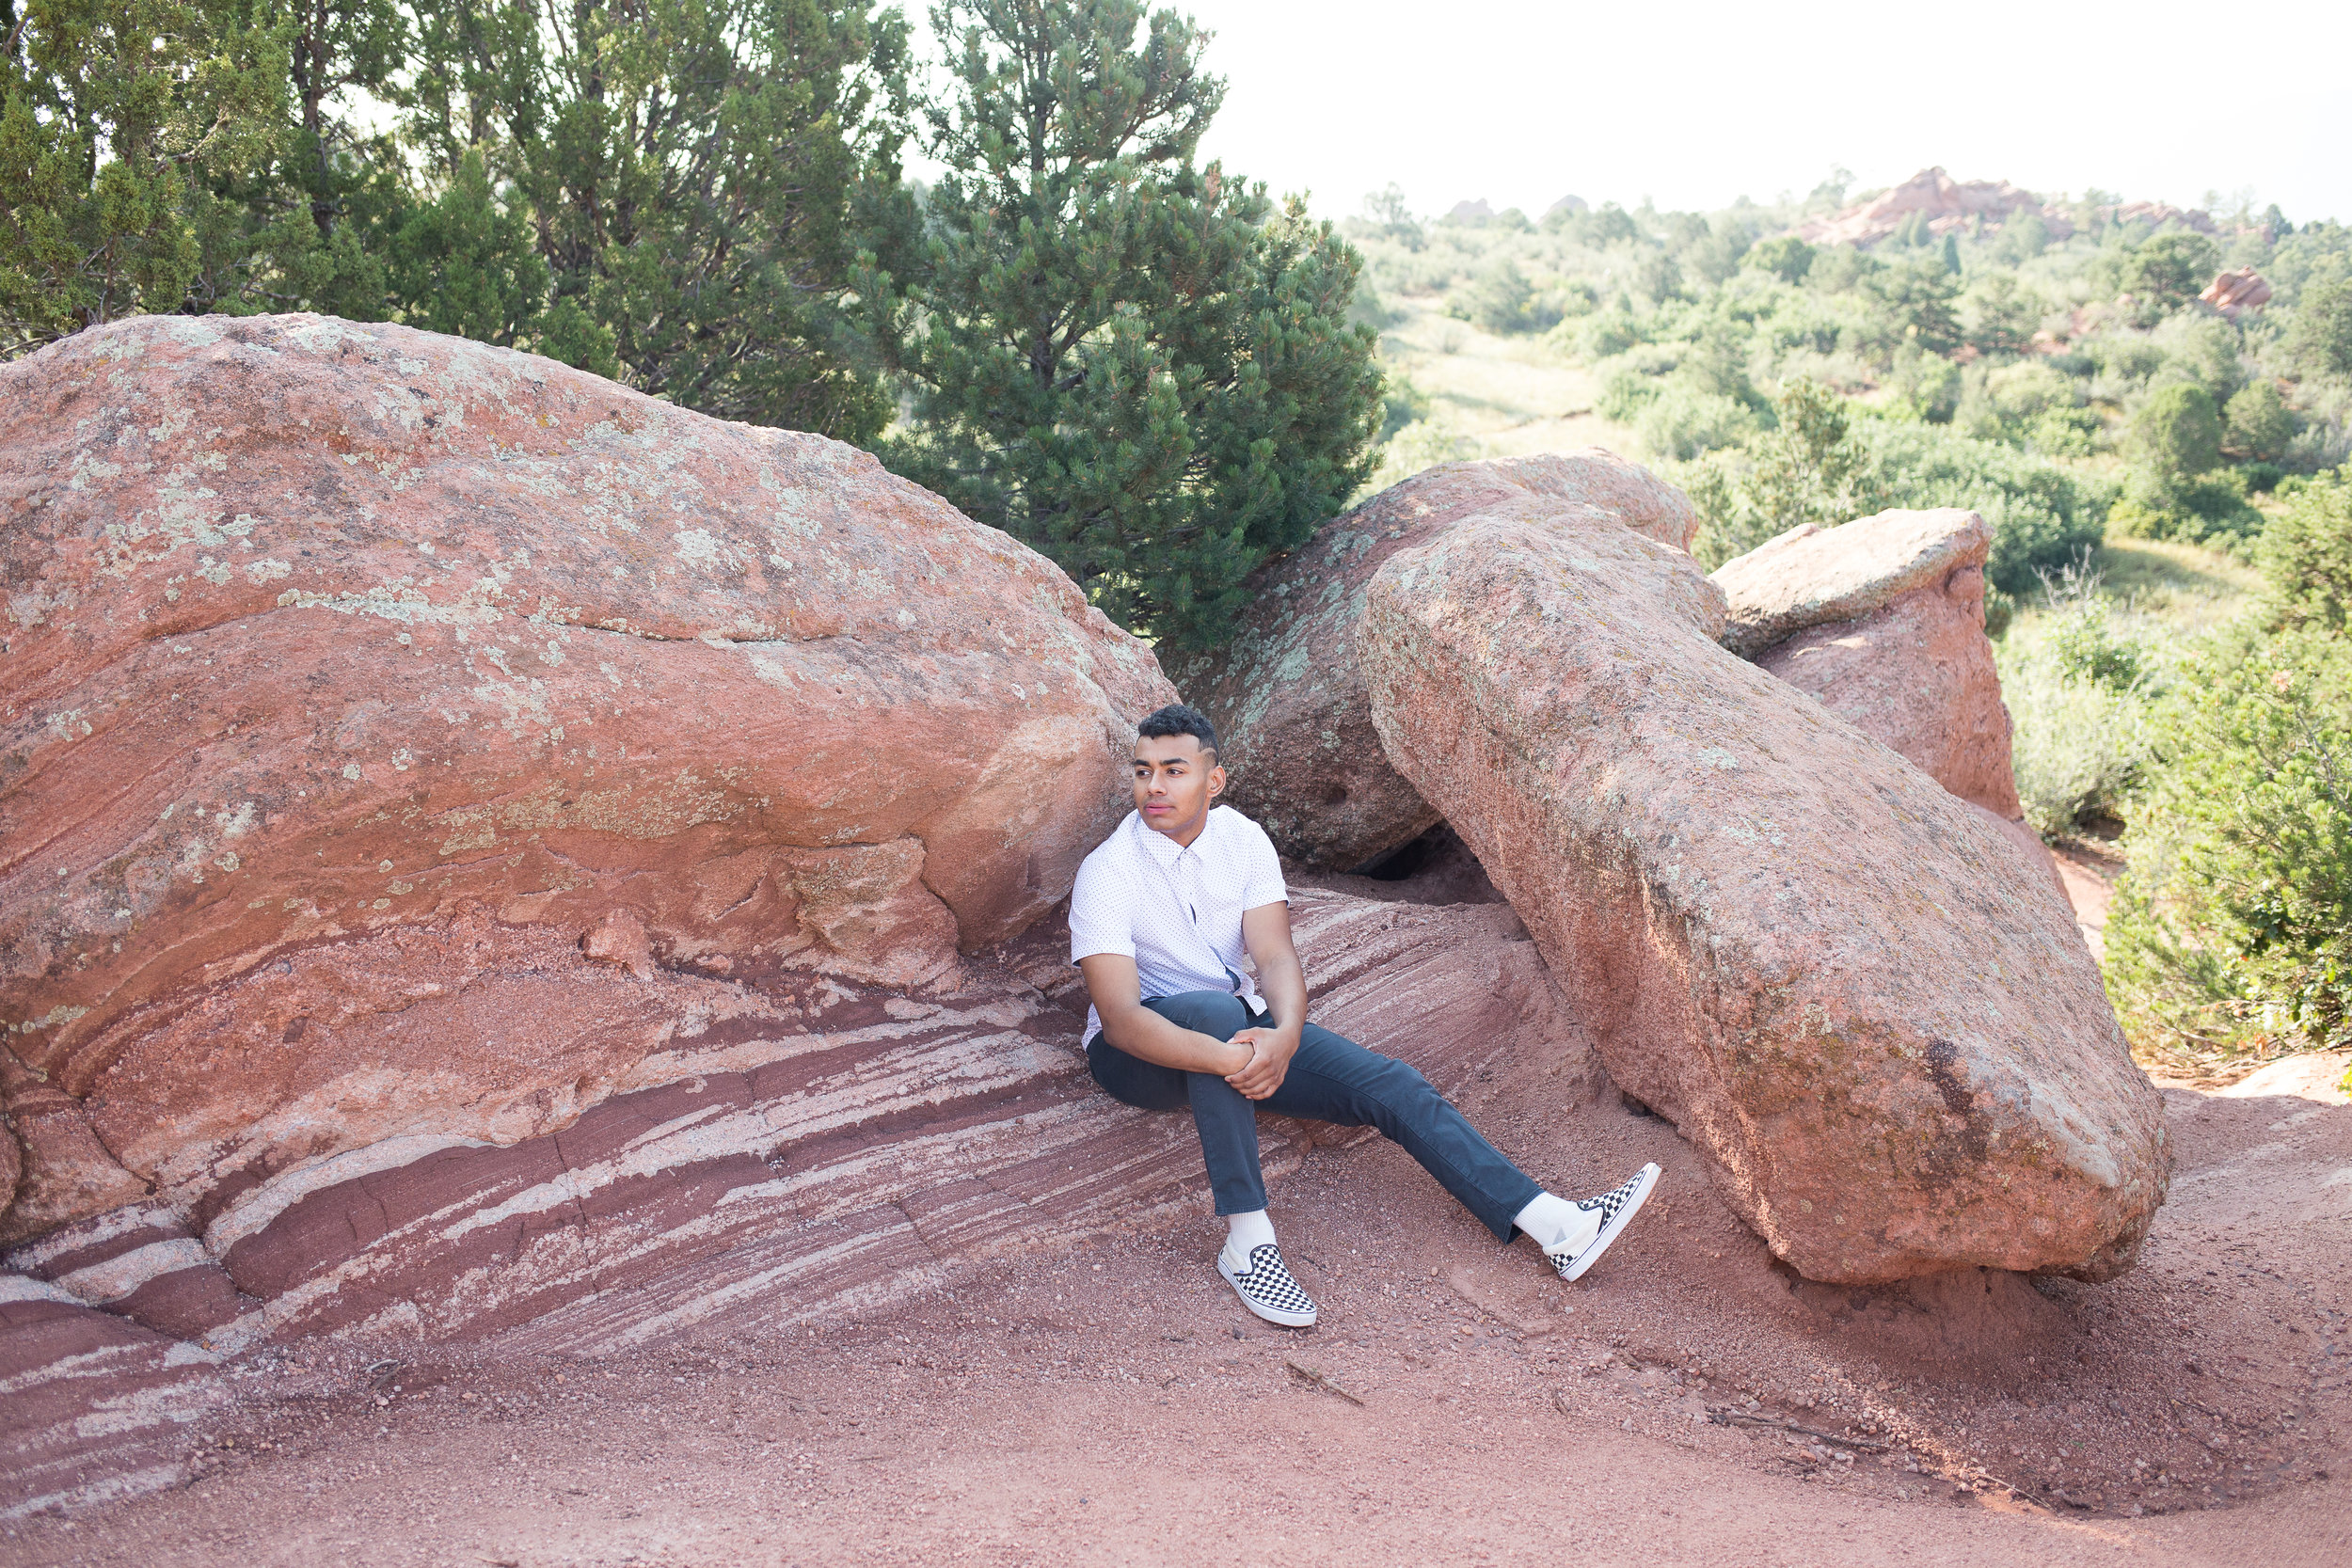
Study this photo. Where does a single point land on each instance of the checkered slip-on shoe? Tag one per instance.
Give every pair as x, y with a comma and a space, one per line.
1615, 1209
1267, 1289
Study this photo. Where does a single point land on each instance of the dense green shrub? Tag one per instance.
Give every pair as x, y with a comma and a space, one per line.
2076, 745
2202, 349
2257, 423
1785, 255
2322, 334
2007, 402
2085, 647
1810, 467
2043, 515
1923, 386
1501, 299
2001, 314
1684, 421
2307, 558
1657, 277
2234, 926
2177, 433
2173, 490
115, 124
1820, 464
673, 193
1917, 299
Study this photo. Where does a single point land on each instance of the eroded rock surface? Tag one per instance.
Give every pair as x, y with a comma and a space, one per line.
355, 677
1830, 973
1288, 693
1881, 621
63, 1170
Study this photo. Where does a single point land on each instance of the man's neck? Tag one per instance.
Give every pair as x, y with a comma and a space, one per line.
1186, 833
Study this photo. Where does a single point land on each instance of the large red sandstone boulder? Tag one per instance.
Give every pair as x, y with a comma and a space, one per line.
1830, 973
1287, 692
1881, 621
356, 675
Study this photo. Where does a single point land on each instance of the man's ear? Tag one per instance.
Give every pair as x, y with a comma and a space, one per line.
1216, 781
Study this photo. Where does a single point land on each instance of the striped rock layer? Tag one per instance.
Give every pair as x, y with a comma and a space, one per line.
1836, 977
92, 1406
1287, 694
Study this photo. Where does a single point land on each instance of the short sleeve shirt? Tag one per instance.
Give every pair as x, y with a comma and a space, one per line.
1174, 908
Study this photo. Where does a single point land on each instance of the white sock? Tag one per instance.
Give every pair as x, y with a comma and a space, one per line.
1555, 1223
1244, 1231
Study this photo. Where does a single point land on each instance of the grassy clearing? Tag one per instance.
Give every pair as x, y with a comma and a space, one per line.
1489, 395
2082, 663
2182, 587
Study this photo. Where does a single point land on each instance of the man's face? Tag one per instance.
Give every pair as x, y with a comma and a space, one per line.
1175, 780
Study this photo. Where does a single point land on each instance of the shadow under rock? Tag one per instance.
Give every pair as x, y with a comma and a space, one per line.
1435, 868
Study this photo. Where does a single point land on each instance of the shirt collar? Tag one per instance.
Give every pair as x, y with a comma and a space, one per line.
1166, 849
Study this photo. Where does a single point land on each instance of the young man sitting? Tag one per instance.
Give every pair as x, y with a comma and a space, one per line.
1162, 913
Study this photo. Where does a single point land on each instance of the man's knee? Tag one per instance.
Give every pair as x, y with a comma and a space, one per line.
1212, 1013
1364, 1086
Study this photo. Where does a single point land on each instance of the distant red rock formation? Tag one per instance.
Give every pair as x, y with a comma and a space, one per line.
1950, 204
2237, 290
1947, 204
2158, 213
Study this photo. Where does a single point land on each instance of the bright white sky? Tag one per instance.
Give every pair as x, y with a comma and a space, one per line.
1698, 103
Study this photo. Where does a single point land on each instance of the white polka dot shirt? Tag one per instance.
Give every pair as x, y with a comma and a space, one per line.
1176, 909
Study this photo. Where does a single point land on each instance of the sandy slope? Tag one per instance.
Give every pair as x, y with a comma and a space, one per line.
1116, 1406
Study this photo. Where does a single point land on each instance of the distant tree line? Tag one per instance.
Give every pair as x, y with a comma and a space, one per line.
1142, 367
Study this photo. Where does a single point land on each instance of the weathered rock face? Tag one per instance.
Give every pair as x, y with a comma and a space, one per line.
1831, 974
487, 852
1287, 694
354, 674
63, 1170
11, 1165
1881, 621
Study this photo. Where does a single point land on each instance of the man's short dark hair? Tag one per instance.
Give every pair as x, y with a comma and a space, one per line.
1180, 719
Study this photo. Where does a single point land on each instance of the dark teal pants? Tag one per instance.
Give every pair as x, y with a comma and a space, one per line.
1332, 1079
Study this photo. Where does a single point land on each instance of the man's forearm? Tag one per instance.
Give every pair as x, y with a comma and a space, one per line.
1144, 1034
1284, 988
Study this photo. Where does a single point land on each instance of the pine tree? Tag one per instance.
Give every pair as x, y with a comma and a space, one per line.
309, 228
114, 115
1813, 468
693, 178
1136, 365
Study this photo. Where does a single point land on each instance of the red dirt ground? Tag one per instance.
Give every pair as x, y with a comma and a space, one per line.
1116, 1406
